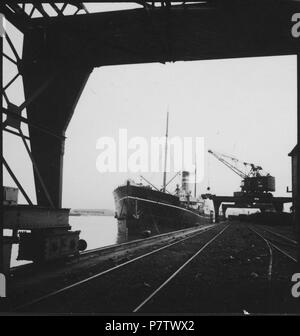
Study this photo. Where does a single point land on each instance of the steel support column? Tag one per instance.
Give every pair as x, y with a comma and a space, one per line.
53, 109
278, 206
217, 208
224, 208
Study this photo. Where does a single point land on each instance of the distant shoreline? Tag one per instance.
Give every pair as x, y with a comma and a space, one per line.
91, 212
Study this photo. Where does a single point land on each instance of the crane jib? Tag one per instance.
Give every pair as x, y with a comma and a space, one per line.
253, 181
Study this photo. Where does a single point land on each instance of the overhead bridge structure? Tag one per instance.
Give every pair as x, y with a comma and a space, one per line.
60, 50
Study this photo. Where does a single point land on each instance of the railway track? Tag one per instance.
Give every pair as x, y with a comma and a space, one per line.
58, 295
174, 274
105, 250
275, 241
278, 245
291, 241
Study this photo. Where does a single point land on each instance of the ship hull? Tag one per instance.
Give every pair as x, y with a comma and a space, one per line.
141, 210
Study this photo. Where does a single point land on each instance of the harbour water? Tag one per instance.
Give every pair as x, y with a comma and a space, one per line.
97, 231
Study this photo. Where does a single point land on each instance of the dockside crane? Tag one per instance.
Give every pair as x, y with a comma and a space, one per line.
256, 188
254, 179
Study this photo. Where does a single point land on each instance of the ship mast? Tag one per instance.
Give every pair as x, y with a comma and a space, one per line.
166, 152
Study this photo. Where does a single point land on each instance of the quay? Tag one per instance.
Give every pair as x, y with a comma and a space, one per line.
229, 268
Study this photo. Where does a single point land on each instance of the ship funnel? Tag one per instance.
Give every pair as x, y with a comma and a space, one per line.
185, 181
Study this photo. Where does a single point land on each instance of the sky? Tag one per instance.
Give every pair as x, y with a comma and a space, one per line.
242, 107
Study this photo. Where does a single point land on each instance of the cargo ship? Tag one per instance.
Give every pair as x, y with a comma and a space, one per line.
143, 209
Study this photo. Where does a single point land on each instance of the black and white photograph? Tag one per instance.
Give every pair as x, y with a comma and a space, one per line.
150, 160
